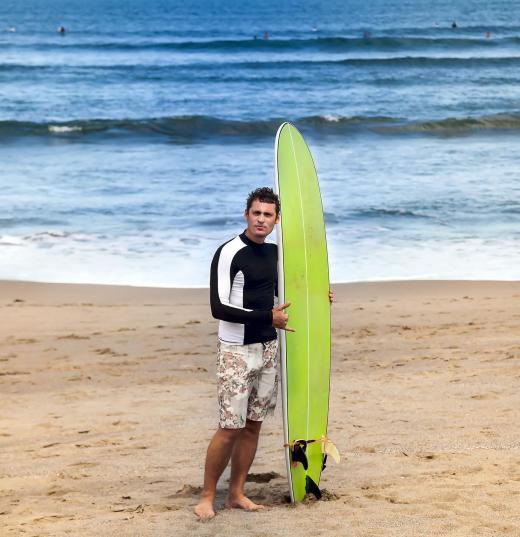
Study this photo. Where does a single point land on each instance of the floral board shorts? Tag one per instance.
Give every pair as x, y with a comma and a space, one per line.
247, 382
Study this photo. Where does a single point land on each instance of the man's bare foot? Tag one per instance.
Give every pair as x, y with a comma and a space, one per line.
204, 509
242, 502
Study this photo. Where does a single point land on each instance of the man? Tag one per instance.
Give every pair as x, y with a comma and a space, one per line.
243, 284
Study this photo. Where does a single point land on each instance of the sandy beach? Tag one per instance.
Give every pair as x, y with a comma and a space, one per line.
108, 403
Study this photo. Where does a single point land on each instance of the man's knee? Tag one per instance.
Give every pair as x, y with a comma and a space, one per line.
253, 426
228, 434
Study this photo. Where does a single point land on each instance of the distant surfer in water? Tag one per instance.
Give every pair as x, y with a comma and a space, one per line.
243, 285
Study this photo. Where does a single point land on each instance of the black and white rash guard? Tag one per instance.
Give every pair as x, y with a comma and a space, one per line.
242, 288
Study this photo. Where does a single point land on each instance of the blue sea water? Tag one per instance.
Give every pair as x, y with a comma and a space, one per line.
129, 143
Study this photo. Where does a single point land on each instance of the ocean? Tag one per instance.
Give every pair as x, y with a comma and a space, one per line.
129, 142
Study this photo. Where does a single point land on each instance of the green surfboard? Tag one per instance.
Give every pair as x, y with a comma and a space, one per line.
303, 280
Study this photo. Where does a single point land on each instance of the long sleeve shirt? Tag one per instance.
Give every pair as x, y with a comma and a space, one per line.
243, 284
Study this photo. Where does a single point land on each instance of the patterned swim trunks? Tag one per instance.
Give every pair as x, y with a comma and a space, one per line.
247, 382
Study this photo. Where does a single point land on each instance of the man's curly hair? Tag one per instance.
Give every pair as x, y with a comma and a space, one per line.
265, 195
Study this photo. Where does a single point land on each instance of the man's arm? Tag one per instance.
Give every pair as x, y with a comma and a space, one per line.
220, 291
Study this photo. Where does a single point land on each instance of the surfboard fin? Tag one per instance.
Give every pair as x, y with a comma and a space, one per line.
324, 462
299, 455
329, 448
312, 488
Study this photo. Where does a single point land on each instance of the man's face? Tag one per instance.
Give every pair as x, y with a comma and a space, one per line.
260, 219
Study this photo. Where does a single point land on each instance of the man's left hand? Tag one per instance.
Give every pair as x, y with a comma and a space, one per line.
331, 296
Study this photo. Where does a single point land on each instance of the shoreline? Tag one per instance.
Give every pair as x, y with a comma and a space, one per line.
109, 401
368, 283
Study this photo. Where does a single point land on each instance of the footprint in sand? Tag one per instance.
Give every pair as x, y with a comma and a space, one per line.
484, 396
73, 336
84, 464
425, 456
59, 492
51, 518
109, 351
13, 373
263, 477
161, 508
186, 492
121, 509
22, 341
79, 378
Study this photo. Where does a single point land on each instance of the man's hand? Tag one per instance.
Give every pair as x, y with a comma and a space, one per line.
280, 318
331, 296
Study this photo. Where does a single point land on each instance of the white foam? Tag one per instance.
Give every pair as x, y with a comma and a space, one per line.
60, 129
59, 256
332, 119
164, 260
6, 240
472, 259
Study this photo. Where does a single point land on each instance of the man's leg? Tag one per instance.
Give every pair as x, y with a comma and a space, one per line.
262, 401
219, 452
241, 460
